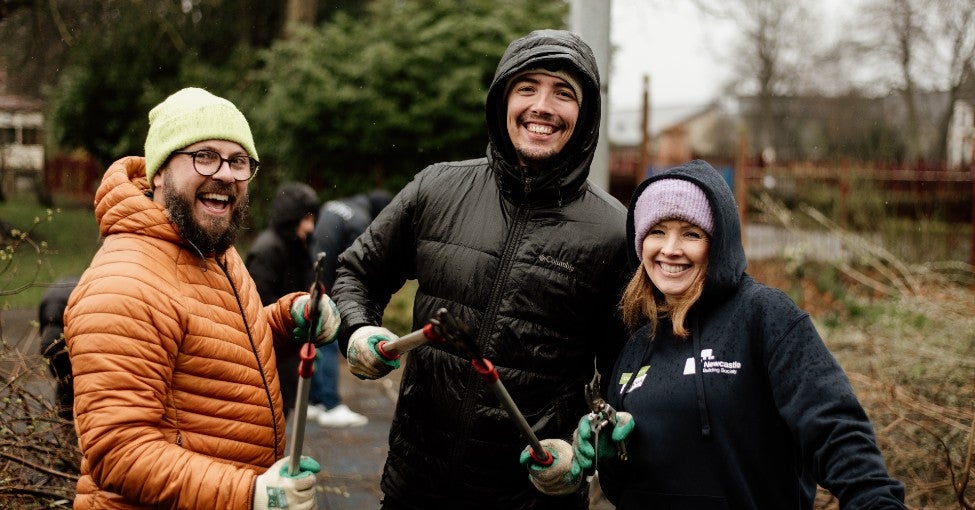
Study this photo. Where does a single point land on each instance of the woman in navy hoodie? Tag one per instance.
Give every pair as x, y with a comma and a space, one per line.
735, 400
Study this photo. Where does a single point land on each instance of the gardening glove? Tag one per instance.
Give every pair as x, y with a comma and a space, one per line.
327, 328
610, 438
364, 360
277, 489
562, 476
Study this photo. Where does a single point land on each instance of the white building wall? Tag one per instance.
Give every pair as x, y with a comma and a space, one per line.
19, 156
961, 135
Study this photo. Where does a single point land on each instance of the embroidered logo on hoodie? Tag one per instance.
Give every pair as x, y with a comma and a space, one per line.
711, 365
626, 377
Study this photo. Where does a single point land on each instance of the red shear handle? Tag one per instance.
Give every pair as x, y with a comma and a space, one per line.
382, 352
393, 349
485, 369
489, 375
542, 461
306, 365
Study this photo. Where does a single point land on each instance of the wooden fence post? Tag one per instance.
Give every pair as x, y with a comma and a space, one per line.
844, 191
646, 134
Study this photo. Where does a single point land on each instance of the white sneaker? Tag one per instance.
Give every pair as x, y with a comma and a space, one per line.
314, 411
341, 416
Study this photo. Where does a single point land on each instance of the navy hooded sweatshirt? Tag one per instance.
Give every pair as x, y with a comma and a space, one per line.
750, 411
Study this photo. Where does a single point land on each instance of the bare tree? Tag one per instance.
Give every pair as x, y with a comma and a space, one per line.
893, 37
776, 36
952, 25
923, 50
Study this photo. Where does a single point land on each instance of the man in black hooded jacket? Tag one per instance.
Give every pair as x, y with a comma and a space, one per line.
525, 251
279, 262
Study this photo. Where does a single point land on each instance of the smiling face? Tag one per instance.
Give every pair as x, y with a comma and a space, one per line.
208, 211
542, 113
675, 256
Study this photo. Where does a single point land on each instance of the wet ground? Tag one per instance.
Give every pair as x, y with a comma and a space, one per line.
351, 458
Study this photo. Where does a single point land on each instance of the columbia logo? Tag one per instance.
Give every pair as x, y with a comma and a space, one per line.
555, 262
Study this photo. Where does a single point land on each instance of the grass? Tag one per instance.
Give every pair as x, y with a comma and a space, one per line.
59, 243
65, 238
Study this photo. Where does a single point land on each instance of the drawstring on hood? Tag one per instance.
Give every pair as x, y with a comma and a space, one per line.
702, 400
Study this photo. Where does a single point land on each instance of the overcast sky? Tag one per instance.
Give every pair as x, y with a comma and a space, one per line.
672, 45
685, 54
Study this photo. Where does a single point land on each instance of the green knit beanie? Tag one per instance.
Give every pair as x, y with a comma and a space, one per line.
190, 116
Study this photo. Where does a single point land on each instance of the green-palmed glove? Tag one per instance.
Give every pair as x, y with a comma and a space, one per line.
562, 476
609, 440
277, 489
327, 327
365, 362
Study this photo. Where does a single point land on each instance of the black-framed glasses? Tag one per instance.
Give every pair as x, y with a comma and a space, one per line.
207, 162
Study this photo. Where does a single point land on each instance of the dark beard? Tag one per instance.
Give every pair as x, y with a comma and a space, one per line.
181, 214
532, 159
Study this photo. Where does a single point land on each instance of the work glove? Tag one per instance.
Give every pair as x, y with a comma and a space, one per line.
365, 362
327, 328
562, 476
610, 437
277, 489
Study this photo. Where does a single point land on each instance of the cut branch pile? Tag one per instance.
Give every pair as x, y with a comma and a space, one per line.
39, 457
908, 346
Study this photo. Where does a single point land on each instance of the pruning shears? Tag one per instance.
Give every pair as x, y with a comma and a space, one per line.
460, 338
440, 326
306, 365
601, 415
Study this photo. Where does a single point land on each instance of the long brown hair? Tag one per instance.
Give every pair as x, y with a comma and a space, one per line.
641, 302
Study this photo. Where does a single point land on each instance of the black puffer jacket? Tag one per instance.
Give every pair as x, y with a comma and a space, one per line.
533, 262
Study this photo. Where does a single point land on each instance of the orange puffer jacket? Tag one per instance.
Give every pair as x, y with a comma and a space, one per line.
177, 402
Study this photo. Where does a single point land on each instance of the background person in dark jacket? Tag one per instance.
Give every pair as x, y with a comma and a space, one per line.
50, 320
279, 262
339, 223
737, 402
525, 251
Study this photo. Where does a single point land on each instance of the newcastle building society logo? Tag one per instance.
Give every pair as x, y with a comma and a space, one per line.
710, 365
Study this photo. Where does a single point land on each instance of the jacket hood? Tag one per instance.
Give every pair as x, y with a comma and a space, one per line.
123, 206
292, 201
726, 260
552, 50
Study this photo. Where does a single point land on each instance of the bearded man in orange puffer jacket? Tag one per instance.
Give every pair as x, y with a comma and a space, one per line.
177, 400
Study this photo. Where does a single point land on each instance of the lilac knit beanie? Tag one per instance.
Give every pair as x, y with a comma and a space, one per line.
670, 199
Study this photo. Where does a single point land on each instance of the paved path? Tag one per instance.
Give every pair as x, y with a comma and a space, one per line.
352, 458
